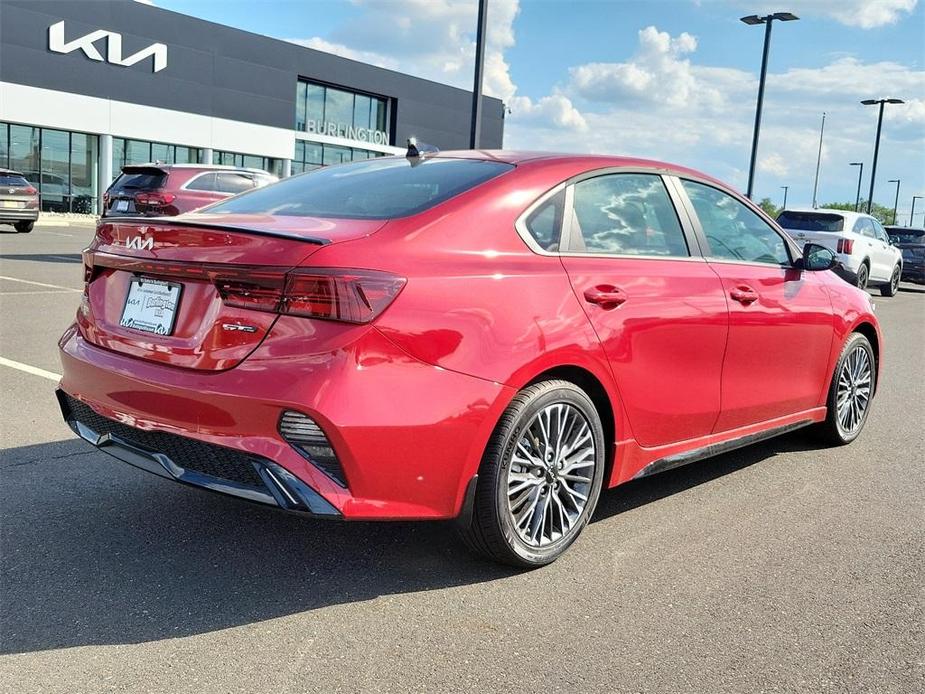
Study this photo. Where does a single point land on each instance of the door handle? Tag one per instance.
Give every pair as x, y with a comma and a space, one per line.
606, 296
744, 294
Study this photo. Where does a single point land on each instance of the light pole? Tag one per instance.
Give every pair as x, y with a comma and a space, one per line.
912, 214
857, 200
896, 201
475, 132
767, 20
818, 160
873, 170
786, 188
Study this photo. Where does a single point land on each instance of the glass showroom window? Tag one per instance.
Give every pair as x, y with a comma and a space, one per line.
250, 161
311, 155
62, 165
126, 152
330, 111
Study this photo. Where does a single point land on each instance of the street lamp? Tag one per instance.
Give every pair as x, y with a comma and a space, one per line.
475, 129
857, 200
786, 188
912, 214
873, 171
767, 20
896, 201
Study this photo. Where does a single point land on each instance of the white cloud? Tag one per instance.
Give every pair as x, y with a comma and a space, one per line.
555, 109
866, 14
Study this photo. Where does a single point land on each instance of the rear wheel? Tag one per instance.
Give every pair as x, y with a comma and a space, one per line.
893, 287
24, 227
863, 274
853, 386
540, 477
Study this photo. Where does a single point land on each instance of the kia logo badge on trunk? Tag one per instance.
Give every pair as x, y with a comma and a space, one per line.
140, 243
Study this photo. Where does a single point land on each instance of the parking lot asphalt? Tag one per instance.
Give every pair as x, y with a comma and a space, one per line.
782, 567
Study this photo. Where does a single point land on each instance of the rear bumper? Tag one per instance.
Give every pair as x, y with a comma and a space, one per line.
8, 216
408, 436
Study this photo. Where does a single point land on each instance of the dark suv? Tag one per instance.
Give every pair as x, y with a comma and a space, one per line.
912, 244
164, 190
19, 201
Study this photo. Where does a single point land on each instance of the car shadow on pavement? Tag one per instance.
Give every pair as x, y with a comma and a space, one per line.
94, 552
44, 257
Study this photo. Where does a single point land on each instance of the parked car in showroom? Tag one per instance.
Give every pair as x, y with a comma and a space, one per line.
861, 245
166, 190
487, 336
19, 201
911, 243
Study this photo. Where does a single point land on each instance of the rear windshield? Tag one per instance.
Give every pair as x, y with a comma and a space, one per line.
375, 189
811, 221
139, 181
14, 181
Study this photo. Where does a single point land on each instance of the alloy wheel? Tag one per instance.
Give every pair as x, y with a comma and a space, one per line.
894, 281
551, 475
854, 390
862, 277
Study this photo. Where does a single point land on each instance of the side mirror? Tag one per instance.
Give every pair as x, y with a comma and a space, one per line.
816, 258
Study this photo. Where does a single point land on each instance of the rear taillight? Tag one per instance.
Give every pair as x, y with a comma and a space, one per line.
351, 296
845, 246
153, 200
30, 191
106, 199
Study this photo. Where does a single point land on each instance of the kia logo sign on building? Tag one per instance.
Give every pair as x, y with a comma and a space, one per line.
57, 44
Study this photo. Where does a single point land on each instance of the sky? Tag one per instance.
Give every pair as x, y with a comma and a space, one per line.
674, 80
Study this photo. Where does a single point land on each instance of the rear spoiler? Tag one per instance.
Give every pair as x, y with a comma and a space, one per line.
144, 169
179, 222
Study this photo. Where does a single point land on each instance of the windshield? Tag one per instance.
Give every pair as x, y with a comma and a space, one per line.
906, 235
811, 221
375, 189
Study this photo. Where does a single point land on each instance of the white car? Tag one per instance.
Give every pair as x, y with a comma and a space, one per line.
860, 242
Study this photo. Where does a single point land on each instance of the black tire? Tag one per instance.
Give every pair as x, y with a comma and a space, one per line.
893, 287
863, 276
831, 430
24, 227
491, 529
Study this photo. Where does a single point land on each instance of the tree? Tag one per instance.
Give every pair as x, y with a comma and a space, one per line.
884, 214
769, 207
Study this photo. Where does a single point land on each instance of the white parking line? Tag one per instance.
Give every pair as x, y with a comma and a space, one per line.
39, 284
34, 370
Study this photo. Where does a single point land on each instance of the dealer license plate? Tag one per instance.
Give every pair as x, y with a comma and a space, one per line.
151, 306
121, 205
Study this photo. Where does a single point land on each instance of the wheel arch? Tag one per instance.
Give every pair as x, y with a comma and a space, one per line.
870, 332
592, 385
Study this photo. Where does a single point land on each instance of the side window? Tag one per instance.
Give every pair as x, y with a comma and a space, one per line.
545, 222
626, 214
864, 227
233, 183
205, 182
879, 231
733, 231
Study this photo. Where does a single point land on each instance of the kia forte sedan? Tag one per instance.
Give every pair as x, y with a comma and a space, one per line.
493, 337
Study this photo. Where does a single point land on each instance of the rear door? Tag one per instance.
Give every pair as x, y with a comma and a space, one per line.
780, 319
885, 253
655, 304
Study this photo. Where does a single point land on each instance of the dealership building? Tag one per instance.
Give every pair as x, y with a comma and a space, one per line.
88, 86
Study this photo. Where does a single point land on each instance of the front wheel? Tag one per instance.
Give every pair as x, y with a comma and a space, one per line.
893, 287
540, 476
853, 386
24, 227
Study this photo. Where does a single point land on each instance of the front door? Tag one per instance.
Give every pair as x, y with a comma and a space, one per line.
657, 308
780, 318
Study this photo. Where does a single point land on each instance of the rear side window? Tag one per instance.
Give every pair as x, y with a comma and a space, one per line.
13, 181
233, 183
625, 214
811, 221
139, 181
372, 189
864, 227
204, 182
545, 222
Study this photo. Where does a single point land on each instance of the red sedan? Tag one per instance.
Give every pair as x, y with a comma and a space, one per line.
486, 336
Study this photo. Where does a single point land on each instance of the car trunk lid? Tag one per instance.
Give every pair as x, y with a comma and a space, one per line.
155, 287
